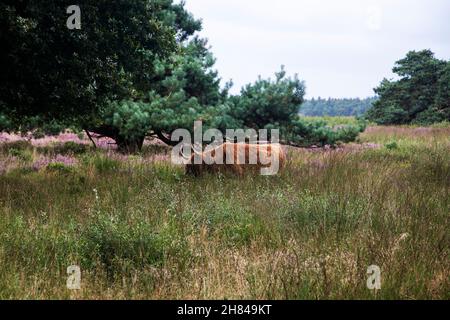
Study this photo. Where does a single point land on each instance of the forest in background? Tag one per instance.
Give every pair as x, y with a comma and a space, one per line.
334, 107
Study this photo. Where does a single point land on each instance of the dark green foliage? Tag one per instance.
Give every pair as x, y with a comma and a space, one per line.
269, 103
336, 107
5, 122
391, 145
184, 86
306, 133
419, 96
349, 133
442, 102
57, 78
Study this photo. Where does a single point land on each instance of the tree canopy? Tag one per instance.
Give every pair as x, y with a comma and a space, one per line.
420, 95
135, 69
51, 73
269, 103
275, 104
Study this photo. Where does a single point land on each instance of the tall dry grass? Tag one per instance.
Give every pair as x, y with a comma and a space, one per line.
150, 232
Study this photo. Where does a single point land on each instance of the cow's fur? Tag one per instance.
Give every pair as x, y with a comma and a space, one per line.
240, 153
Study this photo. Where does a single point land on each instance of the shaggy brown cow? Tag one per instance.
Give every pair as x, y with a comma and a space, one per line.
238, 158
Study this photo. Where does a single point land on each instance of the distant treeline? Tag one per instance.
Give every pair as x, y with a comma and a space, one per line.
336, 107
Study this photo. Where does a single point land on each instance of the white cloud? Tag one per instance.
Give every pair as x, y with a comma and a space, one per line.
340, 48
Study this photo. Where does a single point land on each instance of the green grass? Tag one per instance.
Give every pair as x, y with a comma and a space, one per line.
141, 229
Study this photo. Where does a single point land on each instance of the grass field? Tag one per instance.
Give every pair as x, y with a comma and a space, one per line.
139, 228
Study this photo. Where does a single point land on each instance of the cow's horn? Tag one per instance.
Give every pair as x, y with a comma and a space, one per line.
195, 151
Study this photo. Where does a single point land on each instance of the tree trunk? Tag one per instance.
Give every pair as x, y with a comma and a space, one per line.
124, 145
129, 146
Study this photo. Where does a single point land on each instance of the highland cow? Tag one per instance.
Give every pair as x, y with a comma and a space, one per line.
238, 158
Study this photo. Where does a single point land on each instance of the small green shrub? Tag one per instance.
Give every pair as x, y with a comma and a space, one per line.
116, 243
391, 145
102, 163
306, 133
105, 164
24, 155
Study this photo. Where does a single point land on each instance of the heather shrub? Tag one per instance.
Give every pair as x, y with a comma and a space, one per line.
71, 147
58, 163
15, 147
67, 148
391, 145
24, 155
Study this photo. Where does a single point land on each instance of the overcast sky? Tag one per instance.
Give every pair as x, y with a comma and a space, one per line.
340, 48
